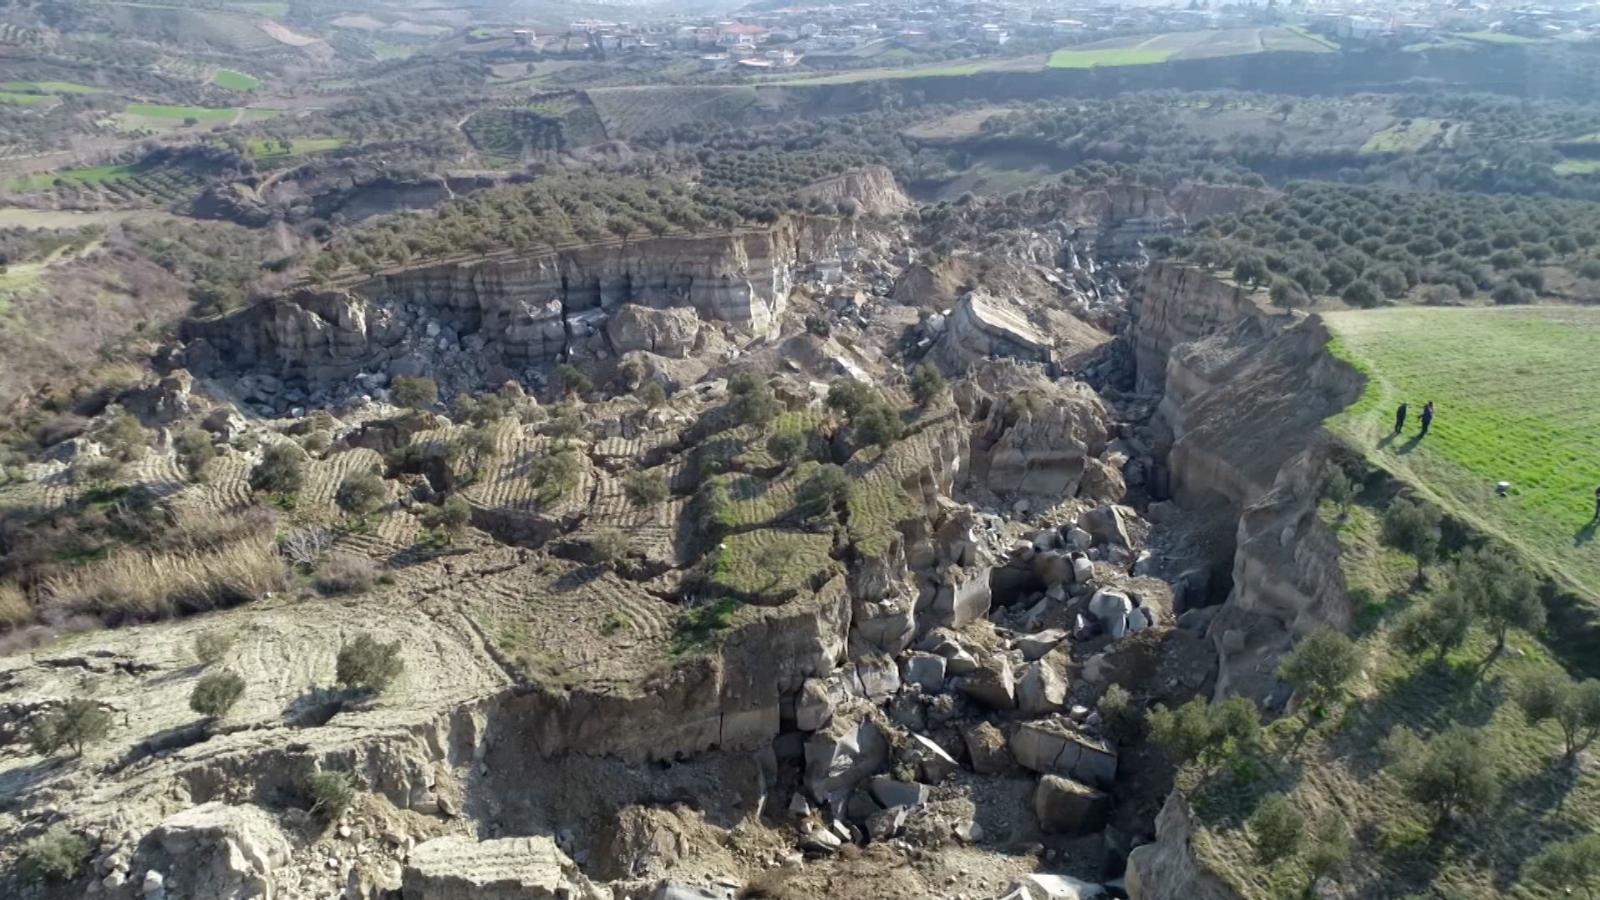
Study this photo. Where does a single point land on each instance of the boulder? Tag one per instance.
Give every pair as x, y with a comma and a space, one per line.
1079, 539
891, 793
226, 423
525, 868
1034, 646
933, 763
990, 684
1055, 747
1043, 689
1108, 524
986, 746
1082, 569
1102, 483
1041, 886
1064, 806
814, 707
963, 597
1111, 609
926, 670
842, 755
1052, 567
887, 823
1042, 449
665, 332
671, 890
219, 850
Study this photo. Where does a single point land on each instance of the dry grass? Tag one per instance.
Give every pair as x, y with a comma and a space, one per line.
14, 607
139, 586
346, 573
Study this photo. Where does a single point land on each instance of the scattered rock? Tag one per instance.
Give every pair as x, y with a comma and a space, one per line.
1064, 806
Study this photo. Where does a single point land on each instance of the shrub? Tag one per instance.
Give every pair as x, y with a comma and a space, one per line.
451, 516
752, 402
1339, 490
331, 793
1502, 594
1196, 732
1440, 625
75, 724
572, 380
712, 509
360, 494
57, 855
215, 693
651, 394
564, 423
1276, 829
554, 475
1361, 294
849, 396
788, 446
1453, 773
1120, 717
878, 425
368, 665
1320, 666
927, 385
645, 488
211, 646
123, 437
281, 471
1413, 527
1329, 848
194, 450
345, 573
317, 443
99, 471
1567, 867
14, 607
1574, 706
415, 393
609, 546
825, 491
1286, 294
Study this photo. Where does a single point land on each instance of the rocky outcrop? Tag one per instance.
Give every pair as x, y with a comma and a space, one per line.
871, 188
1124, 215
509, 310
1040, 448
665, 332
215, 850
1175, 304
982, 327
1167, 869
521, 868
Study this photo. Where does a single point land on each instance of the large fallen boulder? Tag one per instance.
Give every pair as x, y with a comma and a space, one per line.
1042, 447
1055, 747
841, 756
1042, 886
520, 868
665, 332
1065, 806
217, 850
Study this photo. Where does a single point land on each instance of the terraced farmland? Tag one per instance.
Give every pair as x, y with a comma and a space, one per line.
1513, 388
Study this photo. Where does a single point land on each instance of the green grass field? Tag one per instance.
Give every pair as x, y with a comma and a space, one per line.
269, 148
1407, 138
161, 111
1577, 167
235, 81
1513, 388
47, 87
23, 99
1496, 37
91, 175
1111, 56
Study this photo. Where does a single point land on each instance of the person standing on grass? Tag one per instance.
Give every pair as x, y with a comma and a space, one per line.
1427, 419
1400, 418
1597, 504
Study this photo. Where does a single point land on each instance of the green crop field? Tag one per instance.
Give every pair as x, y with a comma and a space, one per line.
235, 81
161, 111
47, 87
1513, 389
1577, 167
1406, 138
1110, 56
23, 99
91, 175
269, 148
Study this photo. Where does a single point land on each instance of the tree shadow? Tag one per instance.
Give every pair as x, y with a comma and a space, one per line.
163, 742
1585, 534
577, 578
1430, 698
316, 707
1530, 802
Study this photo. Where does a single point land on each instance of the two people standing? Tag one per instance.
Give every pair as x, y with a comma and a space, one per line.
1427, 419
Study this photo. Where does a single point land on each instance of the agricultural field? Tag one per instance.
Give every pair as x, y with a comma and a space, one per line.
23, 99
235, 81
1187, 45
1495, 37
628, 112
47, 87
273, 149
1409, 136
1577, 167
1512, 388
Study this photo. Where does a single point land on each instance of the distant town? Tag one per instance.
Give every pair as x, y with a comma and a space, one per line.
857, 34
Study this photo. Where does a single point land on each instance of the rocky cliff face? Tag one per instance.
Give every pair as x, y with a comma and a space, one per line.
873, 188
1176, 304
506, 313
1123, 215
